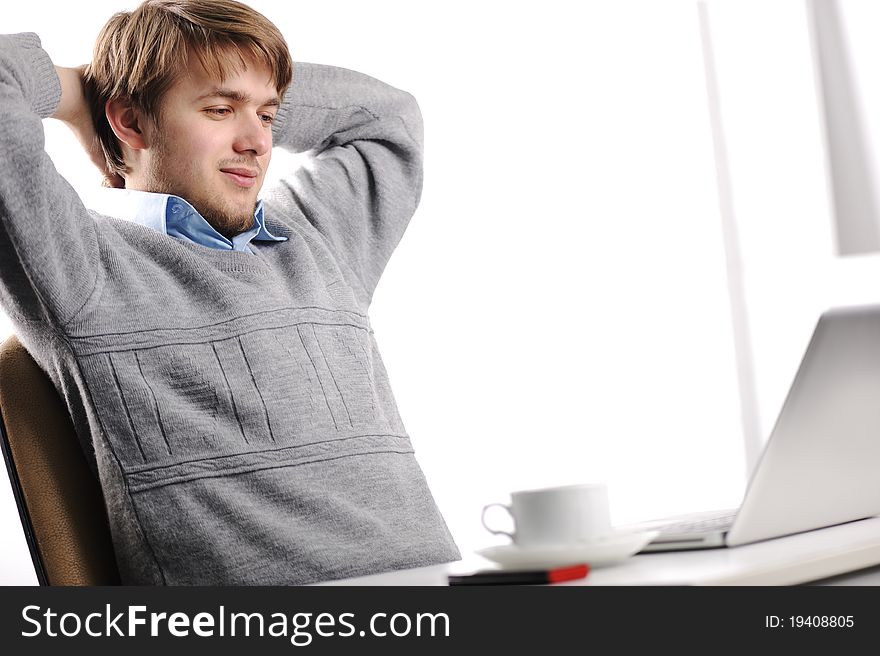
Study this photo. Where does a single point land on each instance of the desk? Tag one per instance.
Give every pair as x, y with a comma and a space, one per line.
849, 552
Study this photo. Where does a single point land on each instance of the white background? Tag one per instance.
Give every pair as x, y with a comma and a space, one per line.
558, 311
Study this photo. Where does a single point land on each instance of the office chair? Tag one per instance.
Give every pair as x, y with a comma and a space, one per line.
59, 498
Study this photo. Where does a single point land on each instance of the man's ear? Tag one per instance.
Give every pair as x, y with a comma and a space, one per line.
126, 123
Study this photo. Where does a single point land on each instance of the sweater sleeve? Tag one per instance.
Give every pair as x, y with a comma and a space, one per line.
362, 179
48, 246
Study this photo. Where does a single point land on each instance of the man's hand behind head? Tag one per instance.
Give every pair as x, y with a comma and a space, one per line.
73, 110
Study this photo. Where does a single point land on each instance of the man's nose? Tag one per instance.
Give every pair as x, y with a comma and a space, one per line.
253, 135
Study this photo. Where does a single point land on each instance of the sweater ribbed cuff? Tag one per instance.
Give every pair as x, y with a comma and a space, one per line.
44, 92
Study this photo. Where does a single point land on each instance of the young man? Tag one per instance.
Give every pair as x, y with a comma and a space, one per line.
214, 348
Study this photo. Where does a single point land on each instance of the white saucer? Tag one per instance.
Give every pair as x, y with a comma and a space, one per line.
598, 553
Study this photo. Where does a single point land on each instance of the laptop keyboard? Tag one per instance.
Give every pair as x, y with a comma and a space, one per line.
701, 523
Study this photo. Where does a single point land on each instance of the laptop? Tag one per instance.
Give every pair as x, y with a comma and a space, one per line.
821, 464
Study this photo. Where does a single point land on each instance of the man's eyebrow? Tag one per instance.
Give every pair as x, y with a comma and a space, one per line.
237, 96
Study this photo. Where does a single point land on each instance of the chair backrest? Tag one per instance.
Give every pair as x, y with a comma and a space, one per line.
59, 498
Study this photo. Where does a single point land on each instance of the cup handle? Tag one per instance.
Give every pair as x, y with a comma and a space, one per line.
489, 528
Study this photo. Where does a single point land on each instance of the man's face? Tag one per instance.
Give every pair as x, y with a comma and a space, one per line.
212, 144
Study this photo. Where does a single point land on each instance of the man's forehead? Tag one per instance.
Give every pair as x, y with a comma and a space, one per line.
235, 73
238, 95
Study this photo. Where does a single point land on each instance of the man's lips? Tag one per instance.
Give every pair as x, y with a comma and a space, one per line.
241, 177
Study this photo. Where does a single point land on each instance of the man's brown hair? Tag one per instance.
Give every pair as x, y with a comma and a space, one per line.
140, 54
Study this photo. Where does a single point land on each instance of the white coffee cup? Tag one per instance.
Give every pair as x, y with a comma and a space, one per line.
562, 515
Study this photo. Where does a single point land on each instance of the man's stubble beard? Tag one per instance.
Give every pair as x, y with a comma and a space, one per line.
217, 211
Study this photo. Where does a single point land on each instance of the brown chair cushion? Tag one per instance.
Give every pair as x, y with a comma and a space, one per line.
61, 494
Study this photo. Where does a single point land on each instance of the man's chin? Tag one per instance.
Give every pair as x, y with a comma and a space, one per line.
228, 220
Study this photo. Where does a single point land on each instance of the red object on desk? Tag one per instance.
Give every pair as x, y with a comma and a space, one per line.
567, 573
505, 577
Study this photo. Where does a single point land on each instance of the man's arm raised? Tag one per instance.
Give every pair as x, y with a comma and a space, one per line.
364, 181
49, 256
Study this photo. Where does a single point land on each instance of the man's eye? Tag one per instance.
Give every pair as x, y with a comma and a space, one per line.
219, 111
267, 118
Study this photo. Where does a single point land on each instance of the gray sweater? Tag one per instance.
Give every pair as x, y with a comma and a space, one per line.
234, 405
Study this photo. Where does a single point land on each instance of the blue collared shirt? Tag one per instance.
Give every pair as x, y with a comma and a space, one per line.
173, 216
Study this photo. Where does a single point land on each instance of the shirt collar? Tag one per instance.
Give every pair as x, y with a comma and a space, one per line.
173, 216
